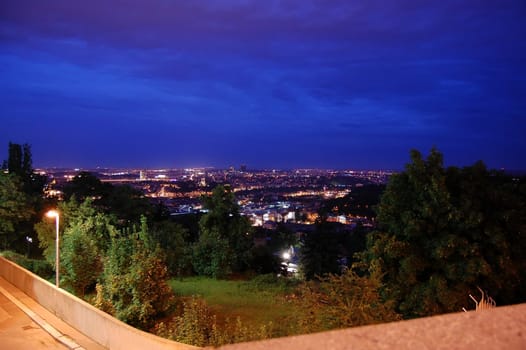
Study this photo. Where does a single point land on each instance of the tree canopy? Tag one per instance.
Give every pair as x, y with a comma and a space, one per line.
225, 237
444, 232
14, 209
20, 198
134, 283
321, 249
124, 202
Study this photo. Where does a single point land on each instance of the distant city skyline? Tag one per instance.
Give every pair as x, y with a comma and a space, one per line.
279, 84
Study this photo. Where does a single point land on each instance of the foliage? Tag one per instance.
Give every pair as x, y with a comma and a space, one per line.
346, 300
37, 266
235, 331
189, 222
20, 199
443, 232
272, 284
355, 243
194, 326
20, 164
359, 202
80, 256
491, 210
134, 283
15, 210
212, 256
267, 306
72, 213
225, 236
197, 325
263, 257
172, 239
124, 202
321, 249
84, 185
46, 239
279, 239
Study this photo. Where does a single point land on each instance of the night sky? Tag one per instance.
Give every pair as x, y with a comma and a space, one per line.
270, 84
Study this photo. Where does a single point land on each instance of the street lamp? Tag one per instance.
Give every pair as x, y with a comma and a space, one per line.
54, 214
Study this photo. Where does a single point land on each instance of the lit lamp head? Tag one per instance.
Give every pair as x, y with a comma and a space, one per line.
52, 214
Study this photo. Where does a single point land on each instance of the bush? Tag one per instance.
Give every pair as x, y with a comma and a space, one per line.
272, 282
340, 301
194, 326
43, 269
198, 326
212, 256
81, 259
39, 267
135, 283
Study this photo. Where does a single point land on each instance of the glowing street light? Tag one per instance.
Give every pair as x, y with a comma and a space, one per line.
54, 214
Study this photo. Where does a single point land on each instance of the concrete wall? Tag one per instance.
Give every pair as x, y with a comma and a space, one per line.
499, 328
99, 326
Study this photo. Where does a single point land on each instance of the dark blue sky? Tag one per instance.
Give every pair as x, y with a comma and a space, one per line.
269, 84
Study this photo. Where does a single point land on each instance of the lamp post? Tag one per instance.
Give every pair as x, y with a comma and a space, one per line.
54, 214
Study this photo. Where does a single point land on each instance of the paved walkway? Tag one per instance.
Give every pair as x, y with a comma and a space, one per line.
18, 331
24, 324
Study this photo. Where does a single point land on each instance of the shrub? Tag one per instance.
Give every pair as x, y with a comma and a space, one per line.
198, 326
338, 301
39, 267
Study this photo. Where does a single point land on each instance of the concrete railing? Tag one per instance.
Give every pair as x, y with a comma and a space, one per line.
97, 325
497, 328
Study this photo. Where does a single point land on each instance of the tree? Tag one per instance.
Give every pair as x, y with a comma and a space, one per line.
14, 210
491, 214
135, 280
72, 213
355, 243
20, 163
212, 255
445, 232
172, 239
321, 249
279, 239
225, 236
84, 185
360, 202
20, 199
15, 159
81, 257
124, 202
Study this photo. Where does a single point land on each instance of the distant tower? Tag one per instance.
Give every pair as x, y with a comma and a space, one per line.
142, 175
243, 168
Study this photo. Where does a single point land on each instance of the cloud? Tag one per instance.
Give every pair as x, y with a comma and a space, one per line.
314, 69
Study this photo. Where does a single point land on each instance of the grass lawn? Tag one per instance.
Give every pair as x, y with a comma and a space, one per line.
254, 302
